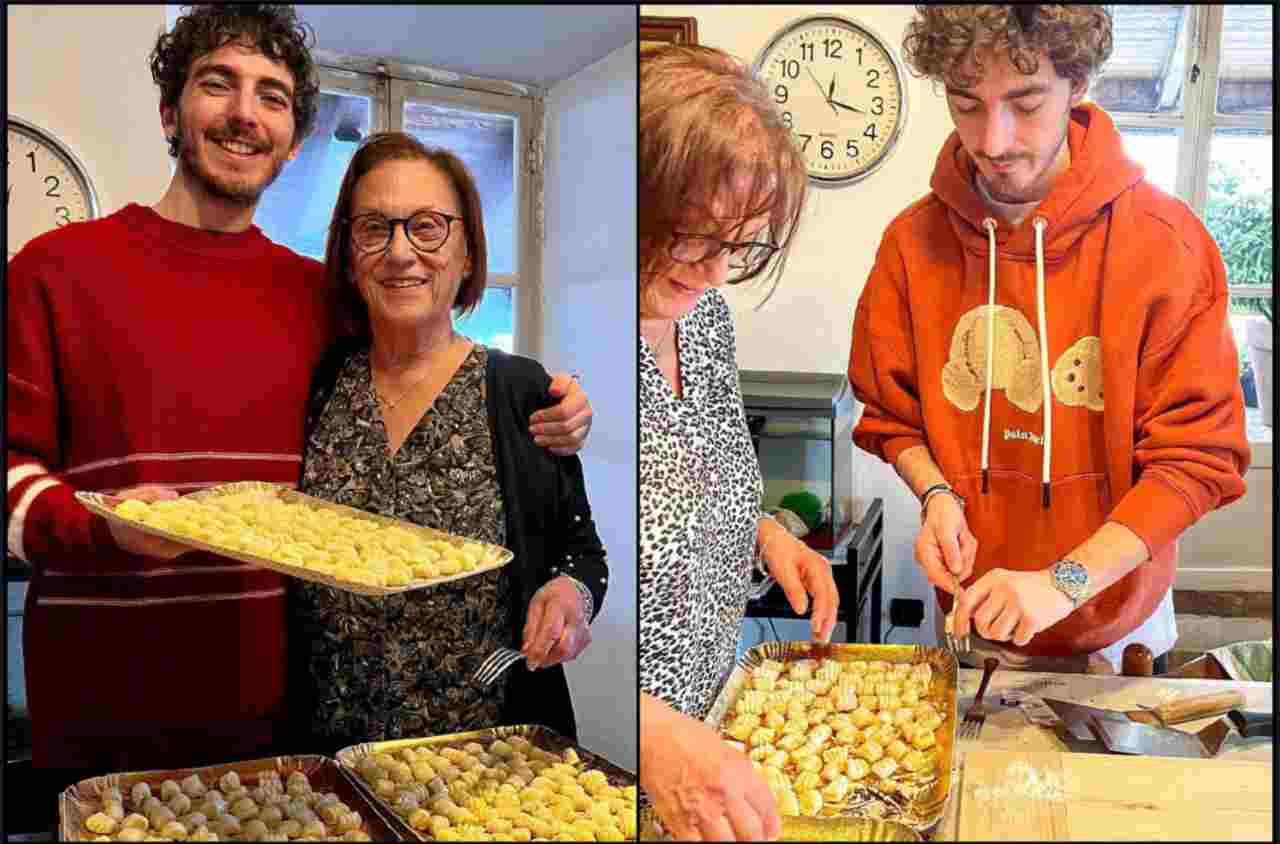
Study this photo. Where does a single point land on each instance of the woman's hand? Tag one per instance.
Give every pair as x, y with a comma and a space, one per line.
1005, 605
144, 544
556, 629
802, 572
945, 547
563, 428
702, 789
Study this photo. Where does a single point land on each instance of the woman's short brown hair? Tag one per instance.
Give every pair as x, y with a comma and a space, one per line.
940, 40
380, 147
705, 122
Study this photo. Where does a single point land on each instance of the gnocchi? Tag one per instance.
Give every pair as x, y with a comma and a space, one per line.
821, 730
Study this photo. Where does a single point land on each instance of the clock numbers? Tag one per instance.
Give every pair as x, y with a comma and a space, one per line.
53, 189
32, 156
63, 214
839, 84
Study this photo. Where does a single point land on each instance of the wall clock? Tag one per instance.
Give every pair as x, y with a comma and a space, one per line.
47, 186
840, 89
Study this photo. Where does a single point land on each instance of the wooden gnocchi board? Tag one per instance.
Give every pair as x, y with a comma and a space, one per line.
1108, 797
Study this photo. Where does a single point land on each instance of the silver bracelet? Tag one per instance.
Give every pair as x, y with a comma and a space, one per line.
588, 601
935, 490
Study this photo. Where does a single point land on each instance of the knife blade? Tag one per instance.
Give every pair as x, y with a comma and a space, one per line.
1120, 735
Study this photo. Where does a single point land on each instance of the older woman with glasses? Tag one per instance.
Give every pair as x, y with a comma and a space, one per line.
721, 190
409, 419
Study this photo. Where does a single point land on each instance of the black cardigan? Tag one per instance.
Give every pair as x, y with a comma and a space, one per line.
548, 520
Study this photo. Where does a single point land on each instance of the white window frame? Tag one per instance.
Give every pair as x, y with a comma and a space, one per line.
1202, 59
522, 282
389, 84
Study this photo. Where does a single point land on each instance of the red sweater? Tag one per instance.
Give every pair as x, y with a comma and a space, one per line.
145, 351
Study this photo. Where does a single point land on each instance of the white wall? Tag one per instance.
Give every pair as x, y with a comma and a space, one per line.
81, 72
589, 326
807, 325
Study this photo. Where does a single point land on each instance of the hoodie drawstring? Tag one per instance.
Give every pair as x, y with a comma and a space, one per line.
990, 225
1039, 223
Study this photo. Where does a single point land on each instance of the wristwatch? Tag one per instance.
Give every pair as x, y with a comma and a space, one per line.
1072, 580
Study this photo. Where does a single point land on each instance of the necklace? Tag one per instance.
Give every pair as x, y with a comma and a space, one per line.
661, 344
389, 404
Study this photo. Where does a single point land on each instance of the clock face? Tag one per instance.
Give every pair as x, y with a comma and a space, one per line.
47, 187
840, 90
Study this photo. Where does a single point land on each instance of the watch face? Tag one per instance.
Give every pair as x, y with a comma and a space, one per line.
840, 90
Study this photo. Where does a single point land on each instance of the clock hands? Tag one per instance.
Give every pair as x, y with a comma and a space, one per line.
846, 107
826, 98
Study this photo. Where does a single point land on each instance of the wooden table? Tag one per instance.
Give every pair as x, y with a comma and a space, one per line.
1007, 729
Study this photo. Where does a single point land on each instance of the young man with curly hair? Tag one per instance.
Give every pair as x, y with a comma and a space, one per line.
1044, 353
157, 351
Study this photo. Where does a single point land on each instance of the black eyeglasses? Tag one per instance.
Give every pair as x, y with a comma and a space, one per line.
746, 258
426, 230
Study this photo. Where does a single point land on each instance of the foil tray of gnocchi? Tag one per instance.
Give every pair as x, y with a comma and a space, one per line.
511, 783
846, 730
275, 527
286, 798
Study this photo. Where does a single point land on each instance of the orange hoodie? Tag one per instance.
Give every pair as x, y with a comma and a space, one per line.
1112, 346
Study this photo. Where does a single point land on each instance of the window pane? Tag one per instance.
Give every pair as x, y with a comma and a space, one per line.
492, 322
1148, 60
1245, 79
1157, 151
1238, 208
486, 144
296, 209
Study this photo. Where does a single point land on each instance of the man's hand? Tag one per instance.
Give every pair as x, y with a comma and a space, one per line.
945, 548
137, 542
555, 629
803, 572
702, 789
563, 429
1005, 605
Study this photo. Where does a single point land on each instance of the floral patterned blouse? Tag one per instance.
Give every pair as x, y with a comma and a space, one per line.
400, 666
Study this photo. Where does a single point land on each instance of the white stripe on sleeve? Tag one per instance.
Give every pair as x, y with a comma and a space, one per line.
18, 474
18, 516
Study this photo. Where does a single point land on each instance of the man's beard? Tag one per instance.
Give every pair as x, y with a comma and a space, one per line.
242, 190
1036, 189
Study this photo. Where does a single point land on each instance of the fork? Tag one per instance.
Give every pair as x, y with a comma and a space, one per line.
976, 715
495, 664
955, 645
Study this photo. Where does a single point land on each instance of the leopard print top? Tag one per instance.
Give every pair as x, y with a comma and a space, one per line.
400, 666
700, 490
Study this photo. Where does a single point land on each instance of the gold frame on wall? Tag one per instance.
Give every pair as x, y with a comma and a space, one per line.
654, 31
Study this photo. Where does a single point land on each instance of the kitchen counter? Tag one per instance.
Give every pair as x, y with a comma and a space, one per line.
1007, 729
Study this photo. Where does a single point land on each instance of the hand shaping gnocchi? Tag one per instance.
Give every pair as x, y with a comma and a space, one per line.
822, 731
507, 790
258, 815
315, 538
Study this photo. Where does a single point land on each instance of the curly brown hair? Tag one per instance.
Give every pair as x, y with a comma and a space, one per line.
705, 122
274, 29
380, 147
941, 40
